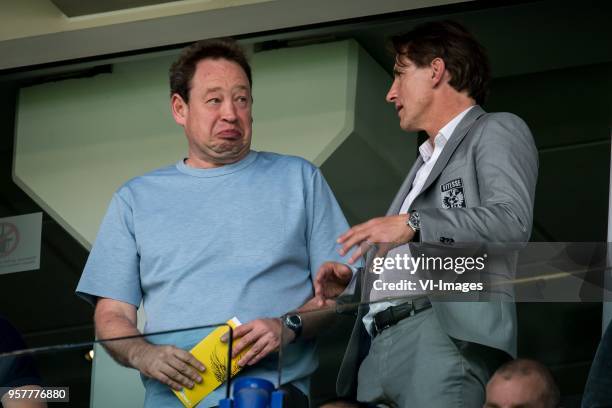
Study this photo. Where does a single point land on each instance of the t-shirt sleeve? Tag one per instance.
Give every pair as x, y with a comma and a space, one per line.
326, 223
112, 269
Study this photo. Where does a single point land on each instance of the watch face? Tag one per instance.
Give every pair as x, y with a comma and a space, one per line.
414, 220
293, 321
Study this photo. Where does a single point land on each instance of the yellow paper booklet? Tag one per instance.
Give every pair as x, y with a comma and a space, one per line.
212, 352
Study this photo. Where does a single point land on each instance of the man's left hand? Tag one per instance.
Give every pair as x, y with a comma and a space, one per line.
391, 229
263, 336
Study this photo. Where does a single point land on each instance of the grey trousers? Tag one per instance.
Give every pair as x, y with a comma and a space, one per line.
415, 364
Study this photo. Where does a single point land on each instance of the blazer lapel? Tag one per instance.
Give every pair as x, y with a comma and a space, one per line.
455, 139
397, 202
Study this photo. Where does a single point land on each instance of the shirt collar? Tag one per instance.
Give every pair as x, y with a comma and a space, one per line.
426, 149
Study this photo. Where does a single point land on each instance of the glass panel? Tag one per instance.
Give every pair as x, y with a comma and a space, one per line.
536, 272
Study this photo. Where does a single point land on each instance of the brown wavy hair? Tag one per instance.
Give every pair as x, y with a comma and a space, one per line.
464, 57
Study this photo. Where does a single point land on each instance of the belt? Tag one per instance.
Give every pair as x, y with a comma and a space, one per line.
391, 315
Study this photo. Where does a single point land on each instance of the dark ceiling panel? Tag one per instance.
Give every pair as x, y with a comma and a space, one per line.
74, 8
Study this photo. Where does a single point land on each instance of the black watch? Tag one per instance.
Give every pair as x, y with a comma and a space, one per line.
293, 322
414, 221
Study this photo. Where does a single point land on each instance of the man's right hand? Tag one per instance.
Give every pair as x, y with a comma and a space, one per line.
331, 280
167, 364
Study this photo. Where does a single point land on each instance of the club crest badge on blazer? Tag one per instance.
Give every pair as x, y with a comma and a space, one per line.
452, 194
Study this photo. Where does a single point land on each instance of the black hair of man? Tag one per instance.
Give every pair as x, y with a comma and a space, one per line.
183, 69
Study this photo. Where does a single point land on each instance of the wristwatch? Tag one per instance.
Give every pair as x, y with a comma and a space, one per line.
414, 221
293, 322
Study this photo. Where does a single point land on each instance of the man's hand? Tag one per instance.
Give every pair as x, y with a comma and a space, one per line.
391, 229
331, 280
167, 364
263, 336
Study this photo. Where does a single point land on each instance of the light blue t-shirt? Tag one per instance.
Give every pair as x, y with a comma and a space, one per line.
199, 246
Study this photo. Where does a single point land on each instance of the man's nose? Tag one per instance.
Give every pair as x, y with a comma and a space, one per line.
228, 111
392, 93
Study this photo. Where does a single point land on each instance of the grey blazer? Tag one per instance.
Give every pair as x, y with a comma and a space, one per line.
481, 189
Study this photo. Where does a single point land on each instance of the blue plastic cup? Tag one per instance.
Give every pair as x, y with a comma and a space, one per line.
250, 392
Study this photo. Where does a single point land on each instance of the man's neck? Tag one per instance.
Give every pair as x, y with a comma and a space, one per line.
200, 163
447, 110
447, 104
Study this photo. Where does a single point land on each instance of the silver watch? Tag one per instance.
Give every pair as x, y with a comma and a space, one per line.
414, 221
294, 323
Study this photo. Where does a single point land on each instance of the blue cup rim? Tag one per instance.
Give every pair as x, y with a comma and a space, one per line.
252, 382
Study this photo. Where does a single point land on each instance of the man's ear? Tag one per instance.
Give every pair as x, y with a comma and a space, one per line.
438, 71
180, 109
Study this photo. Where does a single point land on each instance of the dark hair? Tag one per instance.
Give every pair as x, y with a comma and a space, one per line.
550, 396
182, 70
465, 59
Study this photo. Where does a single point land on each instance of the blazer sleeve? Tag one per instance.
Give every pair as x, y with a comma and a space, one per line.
506, 163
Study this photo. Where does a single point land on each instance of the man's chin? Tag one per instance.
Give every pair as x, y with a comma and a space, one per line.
228, 156
408, 127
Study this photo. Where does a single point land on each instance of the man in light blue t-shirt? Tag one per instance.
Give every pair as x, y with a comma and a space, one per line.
225, 232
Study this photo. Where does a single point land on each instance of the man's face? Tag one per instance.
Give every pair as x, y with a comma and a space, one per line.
520, 391
217, 120
411, 93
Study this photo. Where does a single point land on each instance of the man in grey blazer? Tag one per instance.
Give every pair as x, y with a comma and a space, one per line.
473, 182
